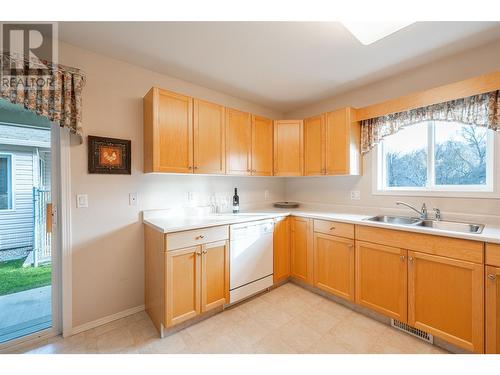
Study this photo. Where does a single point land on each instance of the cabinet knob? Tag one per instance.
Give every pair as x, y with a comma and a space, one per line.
350, 246
491, 276
402, 257
200, 237
410, 259
205, 251
198, 253
190, 167
195, 167
332, 228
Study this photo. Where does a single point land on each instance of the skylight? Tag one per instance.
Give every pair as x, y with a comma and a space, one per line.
370, 32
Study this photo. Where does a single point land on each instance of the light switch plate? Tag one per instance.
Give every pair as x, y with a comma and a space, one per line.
132, 199
355, 195
82, 201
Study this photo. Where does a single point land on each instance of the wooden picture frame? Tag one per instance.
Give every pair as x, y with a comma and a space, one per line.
109, 155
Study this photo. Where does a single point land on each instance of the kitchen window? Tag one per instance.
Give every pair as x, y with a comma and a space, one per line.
436, 157
5, 182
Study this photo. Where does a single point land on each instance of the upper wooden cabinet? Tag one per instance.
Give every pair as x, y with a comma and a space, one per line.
182, 134
209, 138
262, 146
238, 142
288, 148
342, 143
314, 146
332, 144
168, 132
188, 135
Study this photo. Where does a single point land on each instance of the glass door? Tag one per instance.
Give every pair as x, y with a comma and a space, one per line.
28, 256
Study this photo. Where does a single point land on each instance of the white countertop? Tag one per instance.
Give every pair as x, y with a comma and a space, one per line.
178, 223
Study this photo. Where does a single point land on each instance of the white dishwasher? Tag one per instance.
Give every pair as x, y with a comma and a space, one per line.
251, 258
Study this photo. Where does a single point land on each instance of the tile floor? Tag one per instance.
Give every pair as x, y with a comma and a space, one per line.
288, 319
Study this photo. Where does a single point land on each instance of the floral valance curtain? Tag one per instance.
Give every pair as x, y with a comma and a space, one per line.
480, 110
53, 91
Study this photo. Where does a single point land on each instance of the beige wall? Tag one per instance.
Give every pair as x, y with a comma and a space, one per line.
336, 190
107, 237
454, 68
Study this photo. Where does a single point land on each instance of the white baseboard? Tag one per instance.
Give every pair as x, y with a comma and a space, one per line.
106, 319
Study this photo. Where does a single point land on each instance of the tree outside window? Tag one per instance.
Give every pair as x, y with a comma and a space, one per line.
437, 156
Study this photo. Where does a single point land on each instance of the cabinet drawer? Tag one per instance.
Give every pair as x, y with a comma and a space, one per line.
189, 238
471, 251
334, 228
493, 254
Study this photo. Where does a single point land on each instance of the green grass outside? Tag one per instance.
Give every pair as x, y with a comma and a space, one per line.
16, 278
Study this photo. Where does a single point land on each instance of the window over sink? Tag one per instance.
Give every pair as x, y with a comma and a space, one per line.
436, 158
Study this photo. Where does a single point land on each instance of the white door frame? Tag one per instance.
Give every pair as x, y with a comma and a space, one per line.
62, 317
64, 225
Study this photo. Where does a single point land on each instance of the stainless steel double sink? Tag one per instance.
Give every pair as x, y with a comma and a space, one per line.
452, 226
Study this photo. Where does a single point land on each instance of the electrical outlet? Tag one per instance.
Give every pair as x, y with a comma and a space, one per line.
355, 195
82, 201
266, 195
190, 196
132, 199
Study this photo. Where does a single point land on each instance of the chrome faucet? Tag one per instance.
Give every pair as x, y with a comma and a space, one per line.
422, 213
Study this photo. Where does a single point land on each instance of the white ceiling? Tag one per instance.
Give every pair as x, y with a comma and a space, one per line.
280, 65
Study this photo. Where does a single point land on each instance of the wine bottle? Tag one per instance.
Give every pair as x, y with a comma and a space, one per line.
236, 202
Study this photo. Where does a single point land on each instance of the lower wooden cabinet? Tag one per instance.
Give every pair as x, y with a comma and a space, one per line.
301, 249
214, 275
381, 279
445, 298
334, 265
183, 284
492, 282
197, 280
281, 249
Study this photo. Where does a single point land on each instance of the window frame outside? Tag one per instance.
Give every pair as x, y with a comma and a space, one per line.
10, 181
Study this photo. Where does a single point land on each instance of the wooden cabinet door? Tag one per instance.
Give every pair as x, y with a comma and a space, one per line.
301, 256
342, 142
183, 269
334, 265
314, 146
173, 133
288, 148
445, 298
381, 279
214, 275
209, 138
262, 146
281, 249
492, 310
238, 142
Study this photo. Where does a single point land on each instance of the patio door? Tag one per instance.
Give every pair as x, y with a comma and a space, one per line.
29, 259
